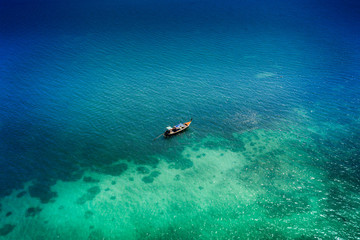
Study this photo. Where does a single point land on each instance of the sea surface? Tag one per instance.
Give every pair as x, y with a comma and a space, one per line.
273, 88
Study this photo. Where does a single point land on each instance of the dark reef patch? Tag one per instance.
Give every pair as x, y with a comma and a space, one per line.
177, 177
151, 177
8, 214
181, 163
94, 190
131, 179
112, 198
142, 170
21, 194
6, 229
147, 179
96, 235
32, 211
113, 182
155, 174
114, 170
88, 214
42, 192
89, 195
90, 180
176, 159
74, 176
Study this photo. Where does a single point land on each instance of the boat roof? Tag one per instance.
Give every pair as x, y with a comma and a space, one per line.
180, 125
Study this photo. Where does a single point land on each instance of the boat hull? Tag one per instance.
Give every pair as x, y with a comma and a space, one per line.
175, 131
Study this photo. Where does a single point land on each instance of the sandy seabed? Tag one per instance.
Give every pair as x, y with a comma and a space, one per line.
260, 184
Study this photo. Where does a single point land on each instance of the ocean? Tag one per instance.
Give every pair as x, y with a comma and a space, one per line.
273, 88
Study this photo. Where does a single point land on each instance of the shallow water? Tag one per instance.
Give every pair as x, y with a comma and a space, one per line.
272, 153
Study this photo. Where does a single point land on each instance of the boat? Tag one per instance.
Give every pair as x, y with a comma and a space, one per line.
176, 129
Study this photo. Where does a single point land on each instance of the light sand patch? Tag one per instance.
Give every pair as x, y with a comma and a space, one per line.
264, 75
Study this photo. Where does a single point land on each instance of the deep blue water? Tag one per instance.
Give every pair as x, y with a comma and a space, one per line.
85, 84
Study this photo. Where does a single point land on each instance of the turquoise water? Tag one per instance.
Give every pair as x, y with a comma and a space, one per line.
273, 90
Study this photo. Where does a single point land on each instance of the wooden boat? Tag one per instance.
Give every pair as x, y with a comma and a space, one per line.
176, 129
